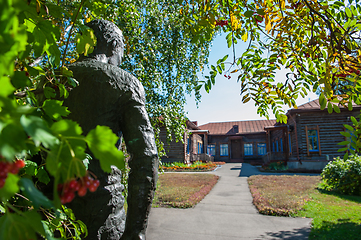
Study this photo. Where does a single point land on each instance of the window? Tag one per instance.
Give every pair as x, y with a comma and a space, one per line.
313, 140
211, 149
277, 149
188, 144
223, 149
200, 148
273, 146
281, 144
248, 149
261, 148
290, 143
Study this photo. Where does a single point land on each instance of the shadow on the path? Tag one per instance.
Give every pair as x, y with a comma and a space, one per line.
248, 170
295, 234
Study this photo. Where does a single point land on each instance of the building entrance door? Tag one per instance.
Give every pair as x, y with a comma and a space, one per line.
236, 150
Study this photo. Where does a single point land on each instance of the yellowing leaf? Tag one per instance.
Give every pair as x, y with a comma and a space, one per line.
245, 37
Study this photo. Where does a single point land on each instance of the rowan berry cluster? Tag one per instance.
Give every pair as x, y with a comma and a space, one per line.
81, 185
9, 167
221, 22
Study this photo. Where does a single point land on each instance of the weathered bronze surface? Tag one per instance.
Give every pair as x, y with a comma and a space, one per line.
110, 96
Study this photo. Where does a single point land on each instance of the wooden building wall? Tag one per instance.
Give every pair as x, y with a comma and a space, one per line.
175, 150
329, 125
236, 146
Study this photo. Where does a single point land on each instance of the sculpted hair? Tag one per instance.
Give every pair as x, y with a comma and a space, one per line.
106, 32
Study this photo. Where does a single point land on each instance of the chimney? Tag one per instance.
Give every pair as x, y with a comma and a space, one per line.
195, 123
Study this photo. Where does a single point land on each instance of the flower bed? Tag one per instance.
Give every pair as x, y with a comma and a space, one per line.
194, 167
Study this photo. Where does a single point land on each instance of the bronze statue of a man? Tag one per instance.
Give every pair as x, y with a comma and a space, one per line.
110, 96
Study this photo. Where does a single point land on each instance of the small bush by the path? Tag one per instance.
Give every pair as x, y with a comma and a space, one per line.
281, 195
343, 176
183, 190
196, 166
275, 166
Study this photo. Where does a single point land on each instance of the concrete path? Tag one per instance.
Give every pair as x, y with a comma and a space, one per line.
226, 213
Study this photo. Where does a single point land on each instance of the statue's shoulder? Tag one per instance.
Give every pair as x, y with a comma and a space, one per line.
96, 68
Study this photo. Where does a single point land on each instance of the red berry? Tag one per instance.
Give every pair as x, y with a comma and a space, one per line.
72, 184
59, 187
93, 187
20, 164
82, 191
69, 196
78, 186
14, 169
87, 181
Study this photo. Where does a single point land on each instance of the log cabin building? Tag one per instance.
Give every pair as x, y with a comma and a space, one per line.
308, 140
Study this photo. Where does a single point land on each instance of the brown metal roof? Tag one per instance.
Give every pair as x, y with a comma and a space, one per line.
226, 128
315, 105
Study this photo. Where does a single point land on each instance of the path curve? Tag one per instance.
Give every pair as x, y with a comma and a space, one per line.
226, 213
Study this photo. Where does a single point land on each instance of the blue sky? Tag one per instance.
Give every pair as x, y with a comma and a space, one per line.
223, 102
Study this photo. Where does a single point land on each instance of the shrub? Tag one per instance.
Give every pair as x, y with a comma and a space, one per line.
343, 176
276, 166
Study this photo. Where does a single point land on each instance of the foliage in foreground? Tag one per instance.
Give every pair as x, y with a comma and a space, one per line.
183, 190
316, 42
38, 40
197, 166
281, 195
343, 176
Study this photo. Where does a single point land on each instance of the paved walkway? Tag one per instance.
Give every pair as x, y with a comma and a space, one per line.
226, 213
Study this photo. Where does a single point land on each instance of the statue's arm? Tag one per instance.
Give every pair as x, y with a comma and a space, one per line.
139, 138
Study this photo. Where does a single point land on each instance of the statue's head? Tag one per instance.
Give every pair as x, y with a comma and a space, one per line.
110, 43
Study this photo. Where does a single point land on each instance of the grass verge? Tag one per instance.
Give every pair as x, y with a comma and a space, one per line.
335, 216
281, 195
183, 190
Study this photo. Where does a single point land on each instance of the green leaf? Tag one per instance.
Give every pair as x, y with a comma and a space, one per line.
354, 121
322, 101
345, 134
336, 108
66, 158
30, 168
101, 142
36, 197
15, 227
85, 41
10, 188
248, 13
348, 127
343, 143
42, 175
329, 107
34, 220
36, 128
12, 140
348, 12
6, 87
20, 80
54, 109
49, 92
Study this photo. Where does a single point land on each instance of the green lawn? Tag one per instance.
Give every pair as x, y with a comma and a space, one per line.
183, 190
334, 216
